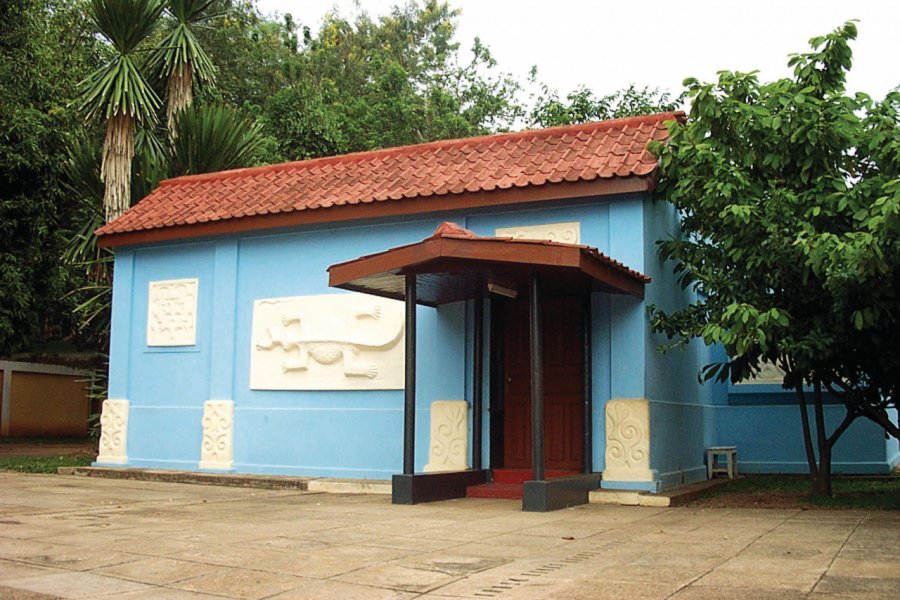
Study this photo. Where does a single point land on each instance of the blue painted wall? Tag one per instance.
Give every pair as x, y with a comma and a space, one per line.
359, 433
317, 433
676, 409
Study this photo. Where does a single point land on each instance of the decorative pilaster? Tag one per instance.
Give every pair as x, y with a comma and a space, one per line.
628, 440
449, 447
217, 449
113, 432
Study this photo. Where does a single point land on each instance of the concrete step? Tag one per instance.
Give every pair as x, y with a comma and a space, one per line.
676, 497
270, 482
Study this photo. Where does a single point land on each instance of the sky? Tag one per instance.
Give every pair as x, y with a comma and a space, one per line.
607, 45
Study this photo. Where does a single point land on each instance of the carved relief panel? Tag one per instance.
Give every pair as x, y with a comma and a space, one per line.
217, 451
449, 447
113, 432
567, 233
628, 440
328, 342
172, 313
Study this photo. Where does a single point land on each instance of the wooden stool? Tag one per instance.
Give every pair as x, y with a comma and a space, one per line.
713, 467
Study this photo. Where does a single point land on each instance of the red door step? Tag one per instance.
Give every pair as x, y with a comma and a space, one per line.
522, 475
509, 483
512, 491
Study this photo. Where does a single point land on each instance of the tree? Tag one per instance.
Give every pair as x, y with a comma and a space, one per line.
400, 80
790, 204
45, 49
179, 58
119, 93
582, 105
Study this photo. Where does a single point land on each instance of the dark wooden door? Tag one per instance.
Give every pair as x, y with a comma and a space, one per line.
563, 384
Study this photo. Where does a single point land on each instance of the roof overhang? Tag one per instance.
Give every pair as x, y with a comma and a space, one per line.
420, 205
450, 267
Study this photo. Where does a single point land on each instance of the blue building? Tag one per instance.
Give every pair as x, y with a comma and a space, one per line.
495, 326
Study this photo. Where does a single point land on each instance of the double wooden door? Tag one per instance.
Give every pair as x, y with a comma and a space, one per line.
563, 384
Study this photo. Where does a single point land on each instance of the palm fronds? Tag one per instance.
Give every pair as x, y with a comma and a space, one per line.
125, 23
180, 58
212, 138
119, 93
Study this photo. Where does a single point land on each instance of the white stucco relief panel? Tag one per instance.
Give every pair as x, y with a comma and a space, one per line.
113, 432
769, 373
628, 440
172, 313
568, 233
328, 342
217, 449
449, 446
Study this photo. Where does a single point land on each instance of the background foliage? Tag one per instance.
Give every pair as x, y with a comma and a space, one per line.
349, 84
789, 193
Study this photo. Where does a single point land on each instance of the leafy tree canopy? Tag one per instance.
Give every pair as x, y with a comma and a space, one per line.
790, 198
583, 105
45, 49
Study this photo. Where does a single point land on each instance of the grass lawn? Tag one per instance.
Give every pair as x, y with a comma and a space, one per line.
43, 464
782, 491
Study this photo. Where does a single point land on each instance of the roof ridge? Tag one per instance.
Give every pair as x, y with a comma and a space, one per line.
503, 138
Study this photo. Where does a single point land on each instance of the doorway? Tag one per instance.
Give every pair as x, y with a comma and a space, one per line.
563, 384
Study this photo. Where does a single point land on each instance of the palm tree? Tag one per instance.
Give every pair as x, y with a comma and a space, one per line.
119, 93
179, 58
212, 138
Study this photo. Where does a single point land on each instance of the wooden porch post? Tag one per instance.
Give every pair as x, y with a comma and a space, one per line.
537, 377
409, 406
478, 375
588, 417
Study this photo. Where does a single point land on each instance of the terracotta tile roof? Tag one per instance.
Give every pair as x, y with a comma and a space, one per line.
606, 150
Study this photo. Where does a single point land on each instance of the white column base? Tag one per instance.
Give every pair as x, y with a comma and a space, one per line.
113, 432
217, 448
449, 447
628, 440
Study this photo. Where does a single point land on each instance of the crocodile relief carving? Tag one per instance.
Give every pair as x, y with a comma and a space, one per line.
328, 342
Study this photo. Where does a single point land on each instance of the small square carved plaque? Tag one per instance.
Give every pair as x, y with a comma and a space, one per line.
172, 313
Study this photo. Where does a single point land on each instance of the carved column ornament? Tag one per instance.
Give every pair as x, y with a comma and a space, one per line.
217, 449
449, 447
628, 440
113, 432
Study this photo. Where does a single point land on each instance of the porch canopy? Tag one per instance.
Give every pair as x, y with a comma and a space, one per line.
453, 265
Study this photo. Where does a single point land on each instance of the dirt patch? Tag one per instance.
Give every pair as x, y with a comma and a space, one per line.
48, 448
770, 499
792, 492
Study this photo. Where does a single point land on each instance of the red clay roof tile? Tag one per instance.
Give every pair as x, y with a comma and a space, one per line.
582, 152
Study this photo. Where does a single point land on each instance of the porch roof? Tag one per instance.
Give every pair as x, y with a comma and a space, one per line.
451, 264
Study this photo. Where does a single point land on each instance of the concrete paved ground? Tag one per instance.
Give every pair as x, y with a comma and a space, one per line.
76, 537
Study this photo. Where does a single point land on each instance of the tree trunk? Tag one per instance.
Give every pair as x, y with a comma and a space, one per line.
180, 95
822, 482
115, 169
807, 436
